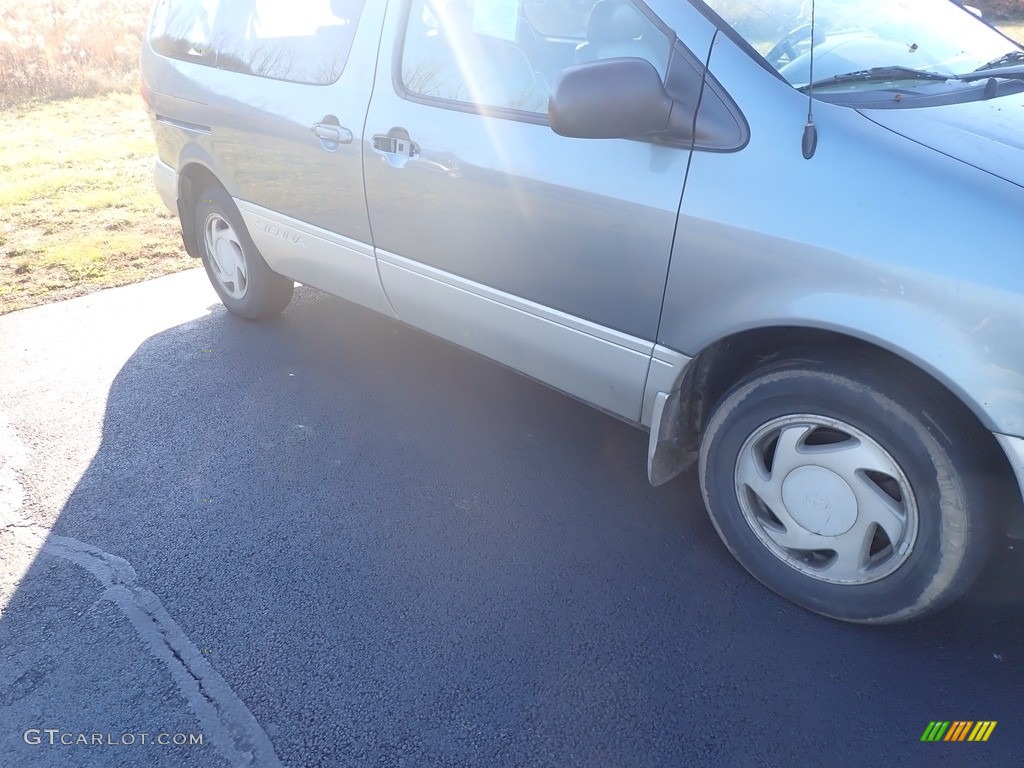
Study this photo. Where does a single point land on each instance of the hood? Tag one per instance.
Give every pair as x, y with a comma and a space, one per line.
986, 134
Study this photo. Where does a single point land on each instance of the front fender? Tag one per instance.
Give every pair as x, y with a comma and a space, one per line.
876, 237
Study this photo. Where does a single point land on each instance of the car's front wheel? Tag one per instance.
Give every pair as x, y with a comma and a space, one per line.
242, 279
848, 488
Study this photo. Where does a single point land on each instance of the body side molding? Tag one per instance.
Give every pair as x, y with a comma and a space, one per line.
599, 365
313, 256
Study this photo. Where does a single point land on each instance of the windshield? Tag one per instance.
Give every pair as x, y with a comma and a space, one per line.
935, 36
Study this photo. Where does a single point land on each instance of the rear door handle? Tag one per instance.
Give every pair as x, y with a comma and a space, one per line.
333, 133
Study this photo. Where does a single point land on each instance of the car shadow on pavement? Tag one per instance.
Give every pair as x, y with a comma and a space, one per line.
390, 551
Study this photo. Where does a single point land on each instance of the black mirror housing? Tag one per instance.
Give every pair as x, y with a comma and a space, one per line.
619, 98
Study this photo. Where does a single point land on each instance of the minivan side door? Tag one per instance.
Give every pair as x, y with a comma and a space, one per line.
547, 253
285, 95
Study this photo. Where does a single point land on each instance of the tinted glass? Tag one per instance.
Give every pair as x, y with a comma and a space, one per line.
852, 36
564, 18
303, 41
185, 29
487, 53
462, 51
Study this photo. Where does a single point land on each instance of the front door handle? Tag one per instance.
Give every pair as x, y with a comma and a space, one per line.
397, 149
389, 145
334, 134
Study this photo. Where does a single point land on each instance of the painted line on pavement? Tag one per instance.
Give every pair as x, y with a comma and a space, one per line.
225, 719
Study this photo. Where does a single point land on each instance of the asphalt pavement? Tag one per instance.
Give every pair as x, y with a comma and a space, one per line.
329, 540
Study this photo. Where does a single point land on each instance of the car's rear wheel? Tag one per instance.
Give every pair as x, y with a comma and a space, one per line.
242, 279
849, 488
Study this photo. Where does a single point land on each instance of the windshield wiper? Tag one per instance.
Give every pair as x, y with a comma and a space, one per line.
1009, 65
1015, 71
1013, 57
877, 74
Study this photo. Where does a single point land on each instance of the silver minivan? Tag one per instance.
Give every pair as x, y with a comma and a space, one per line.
784, 236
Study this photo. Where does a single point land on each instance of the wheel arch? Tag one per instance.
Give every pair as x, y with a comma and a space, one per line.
194, 177
679, 420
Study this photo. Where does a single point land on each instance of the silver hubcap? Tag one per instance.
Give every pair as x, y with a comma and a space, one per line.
826, 499
226, 257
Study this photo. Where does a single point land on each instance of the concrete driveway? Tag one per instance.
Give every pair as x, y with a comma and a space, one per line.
333, 541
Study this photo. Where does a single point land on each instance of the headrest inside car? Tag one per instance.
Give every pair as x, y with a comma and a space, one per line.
614, 20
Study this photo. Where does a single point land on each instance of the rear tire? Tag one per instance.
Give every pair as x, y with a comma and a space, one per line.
248, 287
848, 488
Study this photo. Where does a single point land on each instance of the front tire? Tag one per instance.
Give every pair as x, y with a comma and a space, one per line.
248, 287
849, 489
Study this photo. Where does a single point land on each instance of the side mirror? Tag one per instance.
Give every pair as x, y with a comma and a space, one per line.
620, 98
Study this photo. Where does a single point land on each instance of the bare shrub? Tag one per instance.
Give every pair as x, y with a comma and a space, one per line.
1000, 10
61, 48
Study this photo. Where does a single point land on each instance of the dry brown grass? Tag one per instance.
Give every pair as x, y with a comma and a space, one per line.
1014, 30
80, 211
60, 48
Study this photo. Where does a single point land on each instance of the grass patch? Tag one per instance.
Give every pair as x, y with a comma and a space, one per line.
81, 212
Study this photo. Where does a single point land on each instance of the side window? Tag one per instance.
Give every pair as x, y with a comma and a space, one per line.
605, 29
505, 53
184, 30
302, 41
559, 18
468, 51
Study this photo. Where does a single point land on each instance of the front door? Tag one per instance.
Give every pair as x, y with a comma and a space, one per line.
547, 253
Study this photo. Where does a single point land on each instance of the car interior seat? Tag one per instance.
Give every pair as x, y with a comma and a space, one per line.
490, 71
616, 28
